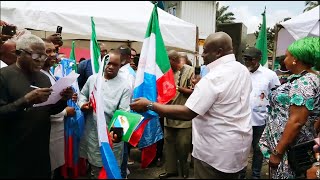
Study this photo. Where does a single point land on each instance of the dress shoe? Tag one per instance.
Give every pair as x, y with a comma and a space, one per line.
167, 175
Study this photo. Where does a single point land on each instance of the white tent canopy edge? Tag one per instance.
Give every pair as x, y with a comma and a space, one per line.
115, 20
303, 25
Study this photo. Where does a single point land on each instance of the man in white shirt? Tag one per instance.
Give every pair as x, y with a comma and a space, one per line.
220, 111
8, 53
57, 138
127, 72
263, 80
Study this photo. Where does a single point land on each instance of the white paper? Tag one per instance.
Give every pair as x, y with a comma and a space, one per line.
57, 88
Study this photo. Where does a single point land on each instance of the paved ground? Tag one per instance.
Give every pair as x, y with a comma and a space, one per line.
153, 171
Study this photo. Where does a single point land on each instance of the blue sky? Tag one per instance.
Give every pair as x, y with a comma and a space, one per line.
249, 12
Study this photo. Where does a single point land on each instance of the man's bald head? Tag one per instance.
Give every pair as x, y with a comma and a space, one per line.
103, 49
7, 52
215, 46
174, 59
220, 40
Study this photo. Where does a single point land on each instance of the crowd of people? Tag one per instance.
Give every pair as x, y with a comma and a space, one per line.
220, 112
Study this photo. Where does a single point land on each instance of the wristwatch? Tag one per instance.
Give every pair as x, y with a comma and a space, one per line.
150, 106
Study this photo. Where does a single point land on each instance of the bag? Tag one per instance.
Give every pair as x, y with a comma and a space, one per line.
301, 157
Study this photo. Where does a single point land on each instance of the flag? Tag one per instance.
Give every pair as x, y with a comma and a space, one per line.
65, 67
94, 49
261, 42
73, 57
126, 120
110, 164
154, 81
73, 128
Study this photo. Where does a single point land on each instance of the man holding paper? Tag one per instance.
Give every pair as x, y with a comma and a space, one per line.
57, 143
25, 129
116, 95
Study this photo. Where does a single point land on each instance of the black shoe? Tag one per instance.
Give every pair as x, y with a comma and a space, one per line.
167, 175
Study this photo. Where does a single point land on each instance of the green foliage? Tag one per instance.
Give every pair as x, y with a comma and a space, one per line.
310, 5
223, 16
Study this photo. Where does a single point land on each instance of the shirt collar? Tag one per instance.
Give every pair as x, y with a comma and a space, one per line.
259, 69
125, 66
222, 60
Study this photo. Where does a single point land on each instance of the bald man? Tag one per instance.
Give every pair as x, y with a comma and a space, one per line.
8, 53
220, 112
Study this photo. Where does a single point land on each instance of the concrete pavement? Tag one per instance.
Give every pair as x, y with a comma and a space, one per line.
152, 172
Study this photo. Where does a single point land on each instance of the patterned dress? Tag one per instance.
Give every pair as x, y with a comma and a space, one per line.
303, 91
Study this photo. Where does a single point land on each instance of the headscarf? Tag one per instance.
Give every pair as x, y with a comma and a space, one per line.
307, 50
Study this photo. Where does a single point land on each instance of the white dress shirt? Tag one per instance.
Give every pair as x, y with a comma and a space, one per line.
263, 80
222, 133
56, 146
129, 75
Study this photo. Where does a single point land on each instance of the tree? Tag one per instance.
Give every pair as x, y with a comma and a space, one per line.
222, 16
310, 5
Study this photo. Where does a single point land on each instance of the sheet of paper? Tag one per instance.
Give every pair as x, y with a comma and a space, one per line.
57, 88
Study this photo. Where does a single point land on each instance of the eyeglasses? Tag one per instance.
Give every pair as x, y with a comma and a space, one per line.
36, 56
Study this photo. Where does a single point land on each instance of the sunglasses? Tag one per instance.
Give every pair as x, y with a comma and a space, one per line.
36, 56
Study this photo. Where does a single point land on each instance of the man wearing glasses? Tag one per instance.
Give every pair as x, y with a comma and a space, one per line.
25, 129
263, 80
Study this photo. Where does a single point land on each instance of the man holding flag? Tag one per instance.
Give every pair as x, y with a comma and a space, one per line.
220, 112
154, 81
115, 94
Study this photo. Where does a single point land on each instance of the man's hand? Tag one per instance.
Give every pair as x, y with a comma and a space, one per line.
140, 104
37, 96
5, 37
66, 93
114, 137
3, 23
195, 80
70, 111
75, 97
86, 107
56, 40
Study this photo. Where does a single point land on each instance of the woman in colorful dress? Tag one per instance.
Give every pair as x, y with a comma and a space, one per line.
294, 107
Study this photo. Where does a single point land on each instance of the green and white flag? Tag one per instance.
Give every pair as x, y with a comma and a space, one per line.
94, 49
262, 43
126, 120
73, 57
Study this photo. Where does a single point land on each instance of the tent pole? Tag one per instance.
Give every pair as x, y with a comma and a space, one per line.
275, 45
197, 47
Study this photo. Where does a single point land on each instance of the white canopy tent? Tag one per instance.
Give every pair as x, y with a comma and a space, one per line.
114, 20
303, 25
